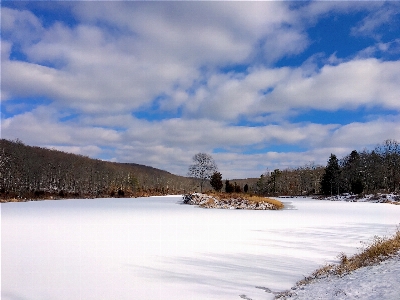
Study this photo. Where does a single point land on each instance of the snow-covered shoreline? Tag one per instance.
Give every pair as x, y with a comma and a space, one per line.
371, 282
368, 283
372, 198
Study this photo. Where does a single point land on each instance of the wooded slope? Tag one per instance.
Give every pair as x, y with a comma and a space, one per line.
34, 172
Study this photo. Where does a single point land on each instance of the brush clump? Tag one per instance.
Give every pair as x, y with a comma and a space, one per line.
232, 201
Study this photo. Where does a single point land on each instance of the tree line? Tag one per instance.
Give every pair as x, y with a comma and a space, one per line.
368, 172
365, 172
34, 172
303, 180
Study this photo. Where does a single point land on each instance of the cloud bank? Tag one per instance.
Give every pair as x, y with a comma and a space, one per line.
252, 83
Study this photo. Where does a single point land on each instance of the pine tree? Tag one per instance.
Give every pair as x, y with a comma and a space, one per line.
351, 173
237, 188
229, 188
330, 181
357, 186
216, 181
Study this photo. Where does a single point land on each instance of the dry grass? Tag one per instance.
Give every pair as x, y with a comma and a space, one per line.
12, 200
249, 197
278, 204
379, 250
210, 202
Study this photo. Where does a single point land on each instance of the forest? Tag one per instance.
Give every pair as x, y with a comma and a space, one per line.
365, 172
28, 172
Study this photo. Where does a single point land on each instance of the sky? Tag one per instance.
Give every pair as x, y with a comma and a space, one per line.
257, 85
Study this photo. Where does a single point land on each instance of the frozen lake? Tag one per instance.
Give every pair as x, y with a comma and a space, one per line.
155, 248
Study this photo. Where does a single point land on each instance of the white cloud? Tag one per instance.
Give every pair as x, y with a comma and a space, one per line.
386, 14
366, 134
90, 66
227, 96
286, 41
347, 85
392, 47
196, 32
170, 144
90, 151
20, 26
5, 50
121, 56
351, 84
312, 11
206, 135
42, 127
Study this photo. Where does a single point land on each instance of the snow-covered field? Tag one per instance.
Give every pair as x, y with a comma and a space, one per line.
156, 248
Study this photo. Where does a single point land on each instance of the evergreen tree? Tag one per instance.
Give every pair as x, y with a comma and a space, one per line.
216, 181
237, 188
351, 179
246, 188
275, 179
330, 181
229, 188
357, 186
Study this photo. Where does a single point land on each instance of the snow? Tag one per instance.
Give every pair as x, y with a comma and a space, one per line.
373, 198
368, 283
157, 248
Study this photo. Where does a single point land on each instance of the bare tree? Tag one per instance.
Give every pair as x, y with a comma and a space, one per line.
390, 153
32, 172
203, 168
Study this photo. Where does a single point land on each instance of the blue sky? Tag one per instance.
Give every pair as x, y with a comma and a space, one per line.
258, 85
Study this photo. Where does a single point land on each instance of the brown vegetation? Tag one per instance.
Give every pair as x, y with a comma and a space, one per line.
379, 250
249, 197
35, 173
278, 204
290, 182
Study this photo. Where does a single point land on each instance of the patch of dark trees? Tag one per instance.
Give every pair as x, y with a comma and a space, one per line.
28, 172
366, 172
217, 184
303, 180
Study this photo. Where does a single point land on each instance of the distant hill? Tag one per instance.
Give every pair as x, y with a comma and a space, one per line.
35, 172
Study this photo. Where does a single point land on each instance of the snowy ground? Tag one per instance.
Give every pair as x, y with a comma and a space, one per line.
368, 283
155, 248
372, 198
